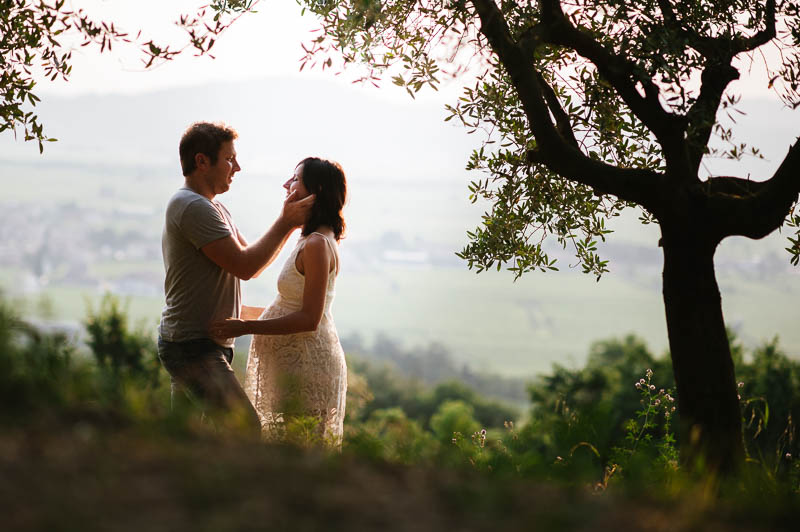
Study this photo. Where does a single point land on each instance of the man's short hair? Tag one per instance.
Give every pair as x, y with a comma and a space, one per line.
205, 138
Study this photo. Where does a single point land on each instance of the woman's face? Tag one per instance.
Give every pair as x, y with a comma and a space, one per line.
295, 183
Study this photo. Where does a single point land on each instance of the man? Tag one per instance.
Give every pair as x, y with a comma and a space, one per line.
205, 256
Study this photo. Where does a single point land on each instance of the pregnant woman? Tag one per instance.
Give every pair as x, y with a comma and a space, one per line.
296, 367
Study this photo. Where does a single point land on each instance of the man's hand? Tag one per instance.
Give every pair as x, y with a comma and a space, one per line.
295, 213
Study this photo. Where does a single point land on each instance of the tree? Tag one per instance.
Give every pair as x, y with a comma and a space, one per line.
36, 37
593, 107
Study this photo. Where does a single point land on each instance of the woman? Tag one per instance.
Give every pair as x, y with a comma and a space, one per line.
296, 366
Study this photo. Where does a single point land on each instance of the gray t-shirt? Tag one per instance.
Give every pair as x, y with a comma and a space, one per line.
197, 291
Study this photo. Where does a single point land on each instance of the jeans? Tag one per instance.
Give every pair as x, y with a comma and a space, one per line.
202, 370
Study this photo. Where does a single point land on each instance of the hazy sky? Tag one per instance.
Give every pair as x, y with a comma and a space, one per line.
258, 45
267, 44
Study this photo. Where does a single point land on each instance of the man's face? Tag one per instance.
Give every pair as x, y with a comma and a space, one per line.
220, 175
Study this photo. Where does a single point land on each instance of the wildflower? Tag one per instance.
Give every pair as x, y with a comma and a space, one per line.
649, 372
638, 385
641, 381
658, 402
672, 409
739, 396
740, 384
788, 456
669, 398
652, 387
661, 391
483, 432
666, 415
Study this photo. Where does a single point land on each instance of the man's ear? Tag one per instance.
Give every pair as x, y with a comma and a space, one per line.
201, 160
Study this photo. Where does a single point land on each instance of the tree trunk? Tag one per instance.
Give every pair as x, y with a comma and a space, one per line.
710, 429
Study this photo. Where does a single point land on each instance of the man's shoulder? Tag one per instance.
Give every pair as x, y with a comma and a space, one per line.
186, 195
183, 198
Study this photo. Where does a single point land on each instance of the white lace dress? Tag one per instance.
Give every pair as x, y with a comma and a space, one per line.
300, 374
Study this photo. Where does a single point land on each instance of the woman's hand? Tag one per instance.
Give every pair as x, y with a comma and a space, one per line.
230, 328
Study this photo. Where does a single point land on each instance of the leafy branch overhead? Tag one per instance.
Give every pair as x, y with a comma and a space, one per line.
585, 107
39, 36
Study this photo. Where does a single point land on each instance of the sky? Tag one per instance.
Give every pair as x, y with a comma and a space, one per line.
266, 43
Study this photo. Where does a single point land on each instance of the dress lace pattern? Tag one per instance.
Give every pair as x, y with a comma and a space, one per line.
300, 374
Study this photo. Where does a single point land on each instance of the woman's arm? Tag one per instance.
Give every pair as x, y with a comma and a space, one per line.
316, 261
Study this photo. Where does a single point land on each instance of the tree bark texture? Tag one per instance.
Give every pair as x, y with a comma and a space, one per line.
710, 429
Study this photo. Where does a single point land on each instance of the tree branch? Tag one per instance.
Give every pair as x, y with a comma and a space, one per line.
746, 44
703, 113
563, 125
717, 74
556, 29
553, 150
712, 46
755, 209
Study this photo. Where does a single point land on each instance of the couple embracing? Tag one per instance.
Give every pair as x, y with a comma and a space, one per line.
296, 365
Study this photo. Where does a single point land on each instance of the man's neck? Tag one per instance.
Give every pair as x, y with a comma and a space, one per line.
198, 186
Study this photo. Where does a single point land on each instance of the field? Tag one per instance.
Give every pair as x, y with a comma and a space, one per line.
86, 218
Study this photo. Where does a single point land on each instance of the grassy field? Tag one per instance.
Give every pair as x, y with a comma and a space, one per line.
487, 321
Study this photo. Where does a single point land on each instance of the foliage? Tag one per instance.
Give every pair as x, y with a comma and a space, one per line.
116, 348
599, 399
434, 364
574, 434
609, 422
453, 419
769, 388
37, 370
47, 379
650, 434
387, 389
611, 80
36, 36
390, 435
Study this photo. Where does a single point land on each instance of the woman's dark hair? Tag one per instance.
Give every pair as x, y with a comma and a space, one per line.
325, 179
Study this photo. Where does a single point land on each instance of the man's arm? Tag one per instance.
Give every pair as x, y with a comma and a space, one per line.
240, 237
248, 261
317, 259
